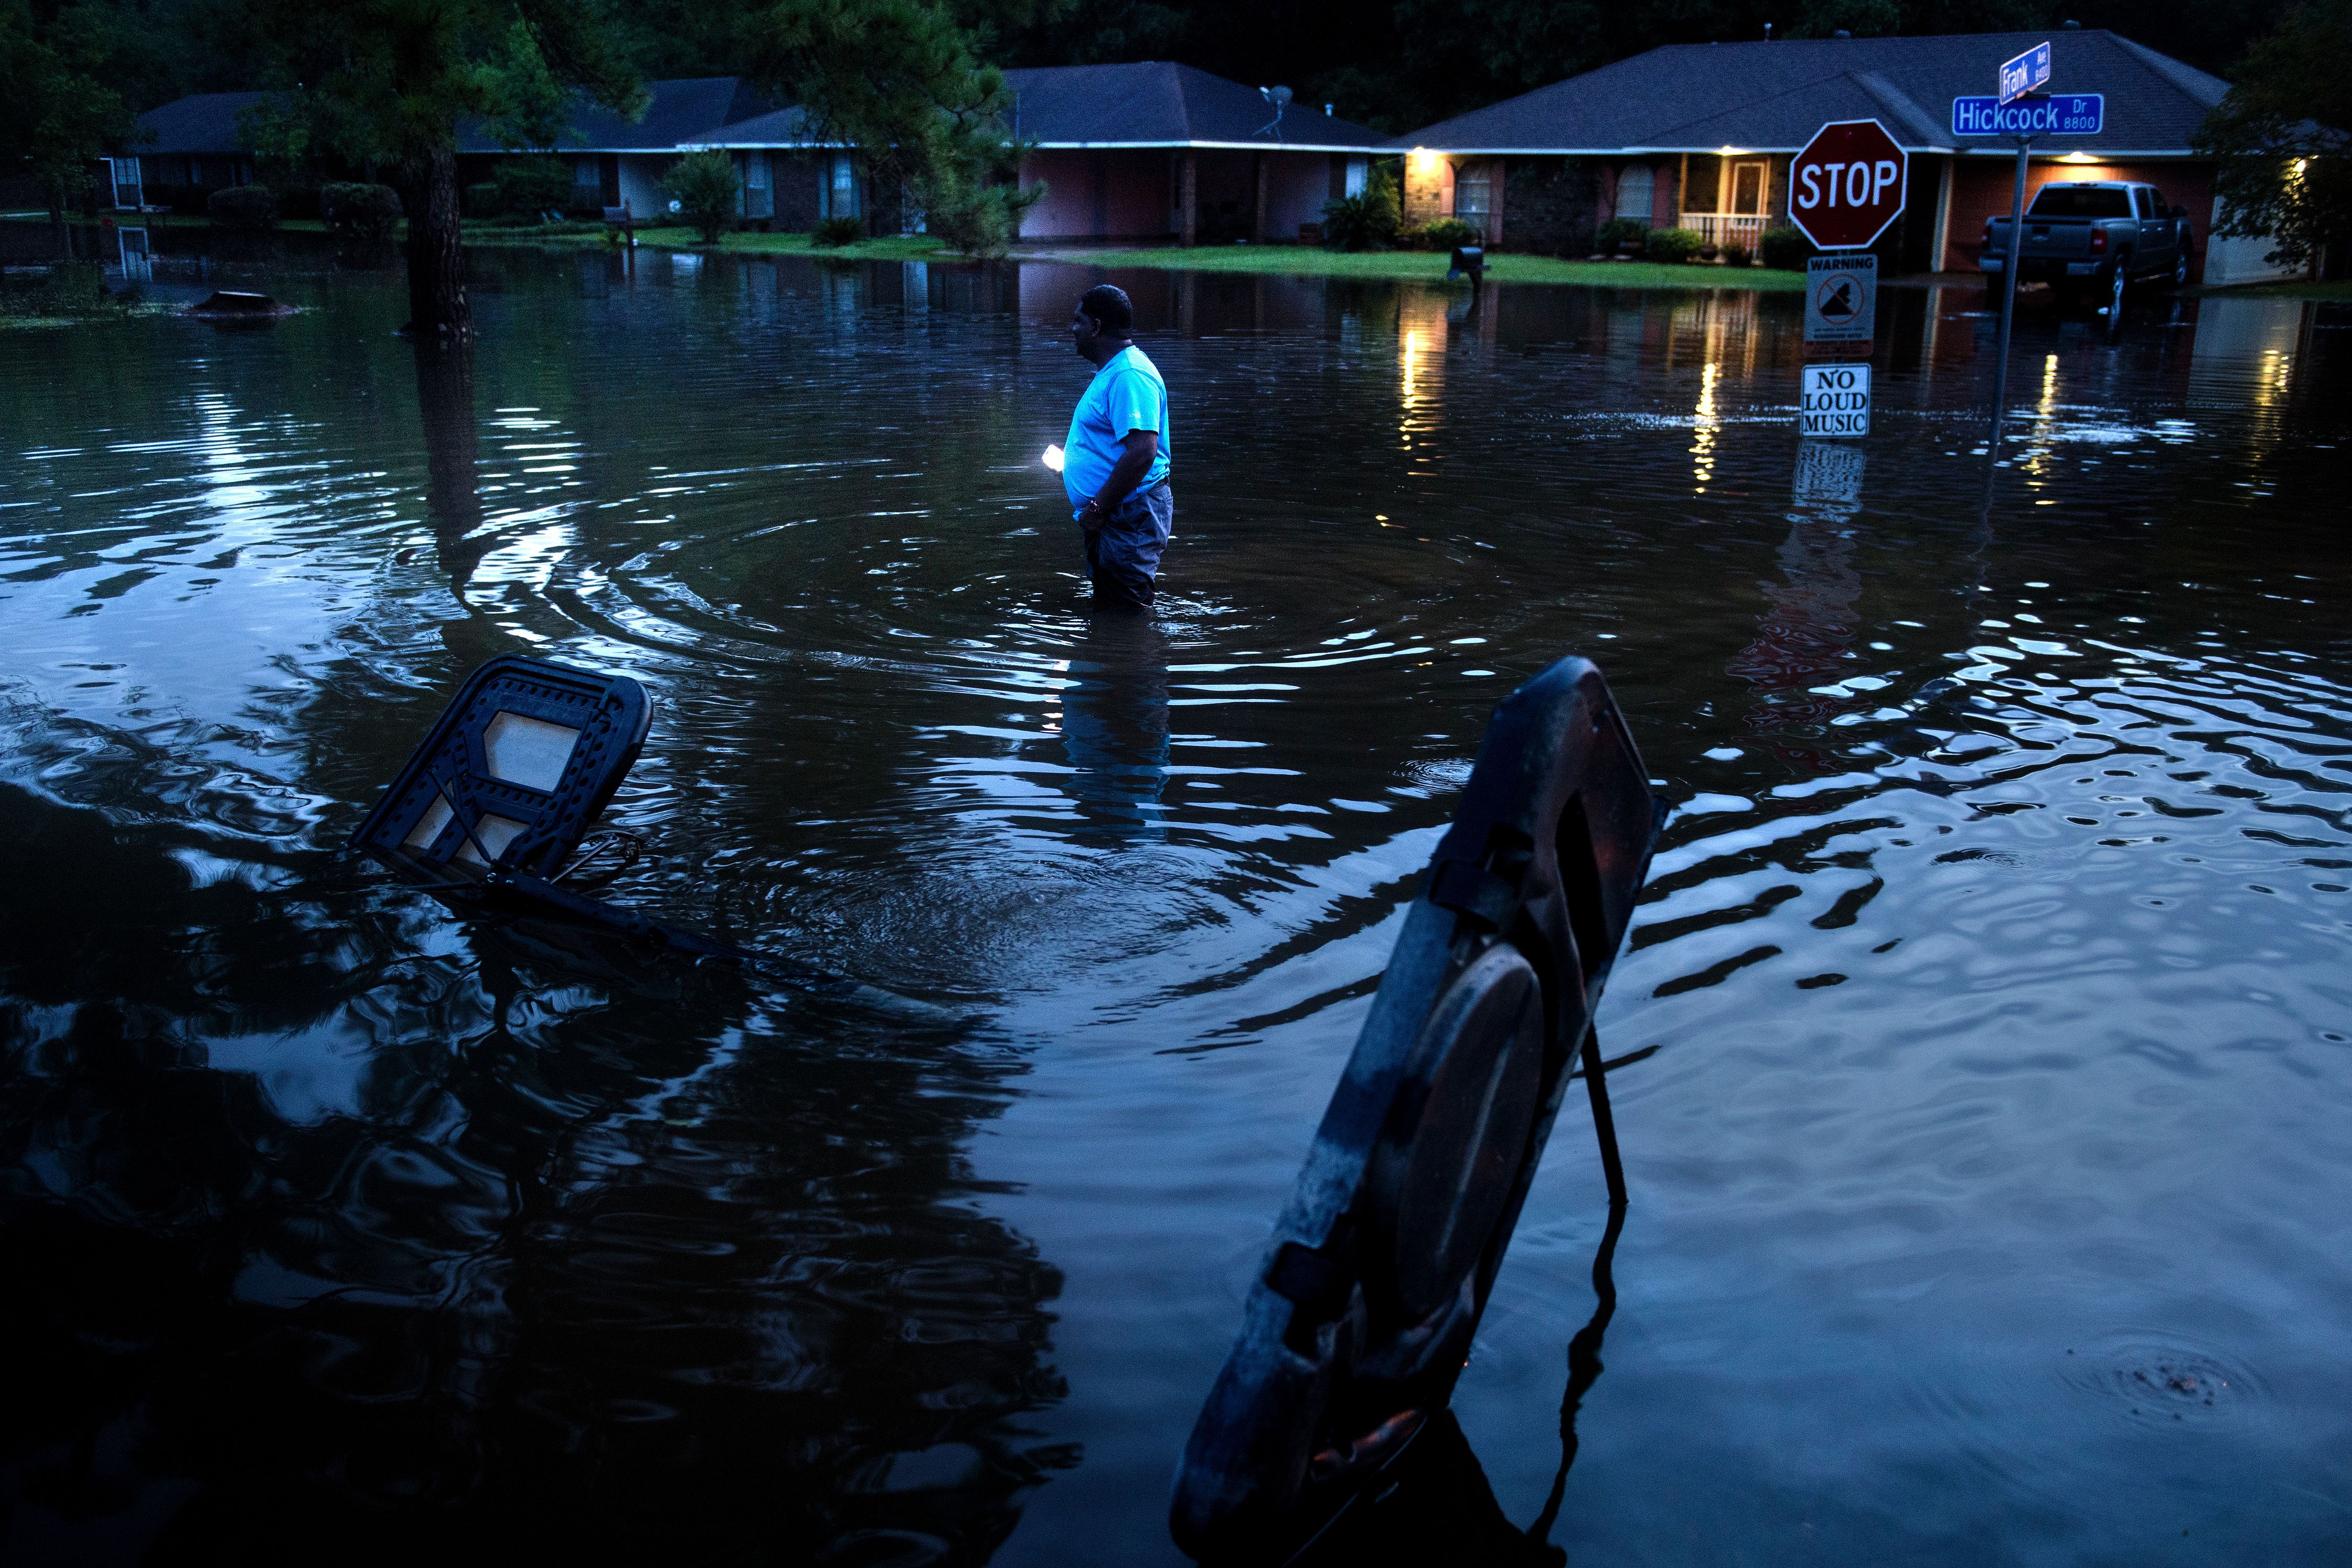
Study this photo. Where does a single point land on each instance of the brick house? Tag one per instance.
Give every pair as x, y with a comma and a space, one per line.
1700, 136
617, 162
1158, 151
1151, 151
188, 149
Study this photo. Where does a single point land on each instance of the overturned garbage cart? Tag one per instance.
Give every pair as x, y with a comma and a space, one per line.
1380, 1268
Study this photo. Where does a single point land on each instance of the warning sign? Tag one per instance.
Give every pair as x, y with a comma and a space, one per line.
1841, 297
1837, 401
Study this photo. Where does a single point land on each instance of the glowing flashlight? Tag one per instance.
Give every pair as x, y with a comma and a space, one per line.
1053, 459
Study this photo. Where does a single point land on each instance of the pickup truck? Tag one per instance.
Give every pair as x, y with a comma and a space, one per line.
2097, 235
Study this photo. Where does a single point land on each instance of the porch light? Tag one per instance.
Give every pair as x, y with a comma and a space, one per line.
2078, 158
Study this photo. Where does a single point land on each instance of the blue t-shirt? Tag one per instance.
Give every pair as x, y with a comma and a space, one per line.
1125, 394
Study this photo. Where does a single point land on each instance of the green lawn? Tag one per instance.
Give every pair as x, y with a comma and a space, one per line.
1297, 260
1313, 261
911, 247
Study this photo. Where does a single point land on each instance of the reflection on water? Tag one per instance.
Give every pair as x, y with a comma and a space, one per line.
1113, 720
1984, 1169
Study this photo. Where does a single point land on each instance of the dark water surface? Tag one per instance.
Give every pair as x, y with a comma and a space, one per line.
1990, 1162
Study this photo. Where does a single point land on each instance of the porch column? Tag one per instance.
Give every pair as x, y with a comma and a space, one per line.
1257, 226
1192, 187
1944, 172
1494, 203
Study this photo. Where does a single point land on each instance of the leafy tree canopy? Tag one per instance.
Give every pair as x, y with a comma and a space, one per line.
57, 111
900, 80
2281, 137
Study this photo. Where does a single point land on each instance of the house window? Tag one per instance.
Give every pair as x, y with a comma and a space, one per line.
1359, 174
756, 199
1633, 187
1471, 191
840, 185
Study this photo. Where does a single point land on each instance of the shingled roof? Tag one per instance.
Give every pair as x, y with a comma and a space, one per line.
1157, 103
203, 123
1153, 103
684, 109
1771, 97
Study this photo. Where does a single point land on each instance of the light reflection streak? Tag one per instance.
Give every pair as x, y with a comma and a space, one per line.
1706, 422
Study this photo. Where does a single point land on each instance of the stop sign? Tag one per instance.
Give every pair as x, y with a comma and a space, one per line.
1847, 184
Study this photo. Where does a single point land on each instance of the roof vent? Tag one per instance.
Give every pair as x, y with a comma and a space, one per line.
2072, 26
1841, 33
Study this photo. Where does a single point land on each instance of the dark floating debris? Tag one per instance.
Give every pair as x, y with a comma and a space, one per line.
235, 305
1371, 1293
490, 812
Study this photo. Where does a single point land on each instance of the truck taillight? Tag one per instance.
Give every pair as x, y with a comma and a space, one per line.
2098, 241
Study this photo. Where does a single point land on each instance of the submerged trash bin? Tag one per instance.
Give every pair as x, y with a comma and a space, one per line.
1371, 1291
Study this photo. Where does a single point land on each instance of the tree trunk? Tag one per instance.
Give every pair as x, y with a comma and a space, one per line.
453, 496
437, 307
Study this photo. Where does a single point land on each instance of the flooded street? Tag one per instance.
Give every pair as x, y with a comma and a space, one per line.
1989, 1137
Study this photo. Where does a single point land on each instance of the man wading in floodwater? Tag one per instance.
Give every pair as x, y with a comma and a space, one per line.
1115, 465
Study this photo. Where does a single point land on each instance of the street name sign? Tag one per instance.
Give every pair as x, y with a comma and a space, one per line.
1840, 297
1837, 401
1847, 184
2061, 114
2025, 73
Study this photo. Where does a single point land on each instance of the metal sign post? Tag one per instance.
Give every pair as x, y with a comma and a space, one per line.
2008, 292
2018, 75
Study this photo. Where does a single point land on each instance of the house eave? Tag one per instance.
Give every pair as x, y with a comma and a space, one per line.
1970, 151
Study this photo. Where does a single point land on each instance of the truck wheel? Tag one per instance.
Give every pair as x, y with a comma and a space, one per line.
2180, 268
2118, 277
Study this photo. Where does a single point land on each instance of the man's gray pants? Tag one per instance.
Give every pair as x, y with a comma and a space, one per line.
1123, 555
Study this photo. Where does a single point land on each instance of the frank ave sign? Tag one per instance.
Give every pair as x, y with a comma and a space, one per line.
1847, 184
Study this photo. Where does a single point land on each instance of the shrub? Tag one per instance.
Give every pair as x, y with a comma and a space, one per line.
1446, 233
358, 211
1735, 255
66, 288
1673, 245
1617, 231
1366, 221
1785, 248
526, 187
243, 207
832, 231
704, 184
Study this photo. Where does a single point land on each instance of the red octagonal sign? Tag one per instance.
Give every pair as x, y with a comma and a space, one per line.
1847, 184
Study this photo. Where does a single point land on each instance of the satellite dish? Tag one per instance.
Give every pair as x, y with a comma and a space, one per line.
1280, 98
